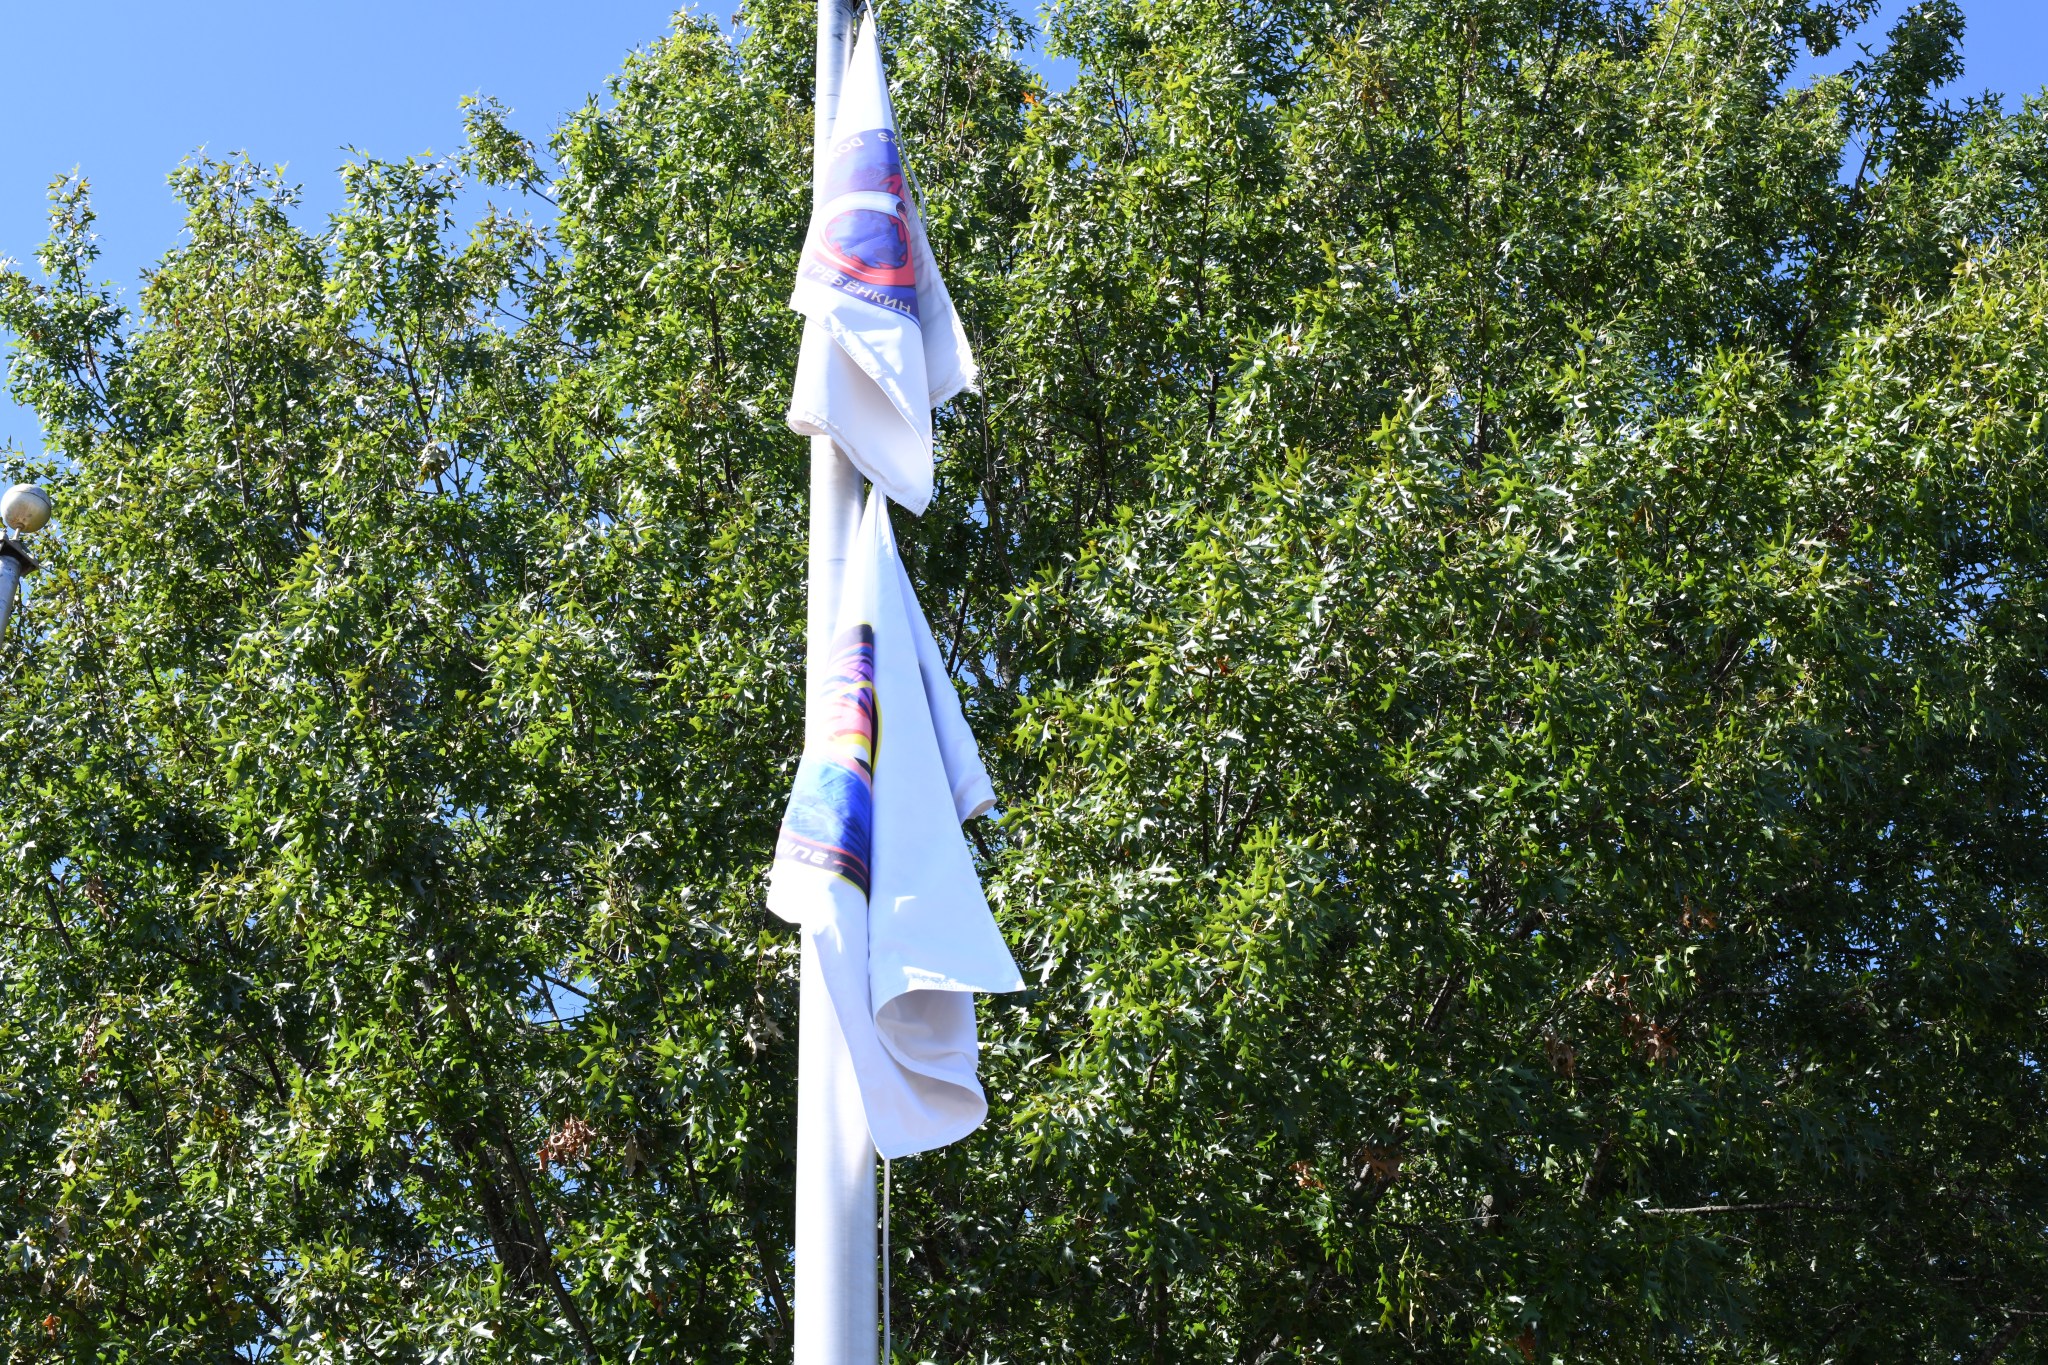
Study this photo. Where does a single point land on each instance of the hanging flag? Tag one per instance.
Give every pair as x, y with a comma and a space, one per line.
873, 865
883, 345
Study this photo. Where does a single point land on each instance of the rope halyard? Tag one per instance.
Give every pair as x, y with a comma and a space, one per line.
888, 1355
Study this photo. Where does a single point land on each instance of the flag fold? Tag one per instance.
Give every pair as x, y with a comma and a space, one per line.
872, 863
882, 343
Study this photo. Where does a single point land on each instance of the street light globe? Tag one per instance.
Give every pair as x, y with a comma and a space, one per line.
25, 508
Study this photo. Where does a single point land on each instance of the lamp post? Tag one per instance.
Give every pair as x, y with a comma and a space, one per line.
23, 511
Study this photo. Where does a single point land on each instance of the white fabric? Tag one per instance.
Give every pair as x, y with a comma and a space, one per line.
973, 793
883, 344
873, 866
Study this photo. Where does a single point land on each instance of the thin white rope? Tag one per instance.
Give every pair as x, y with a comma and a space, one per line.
887, 1346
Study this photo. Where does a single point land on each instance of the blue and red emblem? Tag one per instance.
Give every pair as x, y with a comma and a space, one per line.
863, 248
831, 817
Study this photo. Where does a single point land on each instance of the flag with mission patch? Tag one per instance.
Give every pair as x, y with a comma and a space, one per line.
872, 863
882, 344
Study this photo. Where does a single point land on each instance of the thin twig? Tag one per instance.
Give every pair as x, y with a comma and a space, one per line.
1776, 1207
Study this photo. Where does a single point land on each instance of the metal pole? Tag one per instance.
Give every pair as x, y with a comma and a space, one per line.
14, 562
835, 1158
24, 509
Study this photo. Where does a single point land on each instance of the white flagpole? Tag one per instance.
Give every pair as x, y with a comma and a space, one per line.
835, 1159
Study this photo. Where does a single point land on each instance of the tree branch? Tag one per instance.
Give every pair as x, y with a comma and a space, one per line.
1778, 1206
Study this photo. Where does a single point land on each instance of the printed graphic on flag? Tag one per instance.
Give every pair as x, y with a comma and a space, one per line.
831, 817
863, 248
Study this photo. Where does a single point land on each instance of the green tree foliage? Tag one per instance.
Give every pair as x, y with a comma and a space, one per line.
1501, 565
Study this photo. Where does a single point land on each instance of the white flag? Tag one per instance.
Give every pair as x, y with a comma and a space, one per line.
883, 345
873, 866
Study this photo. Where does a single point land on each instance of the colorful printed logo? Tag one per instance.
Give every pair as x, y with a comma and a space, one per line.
863, 248
831, 817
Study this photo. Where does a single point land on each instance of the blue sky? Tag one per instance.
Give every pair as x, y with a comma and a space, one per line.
124, 90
